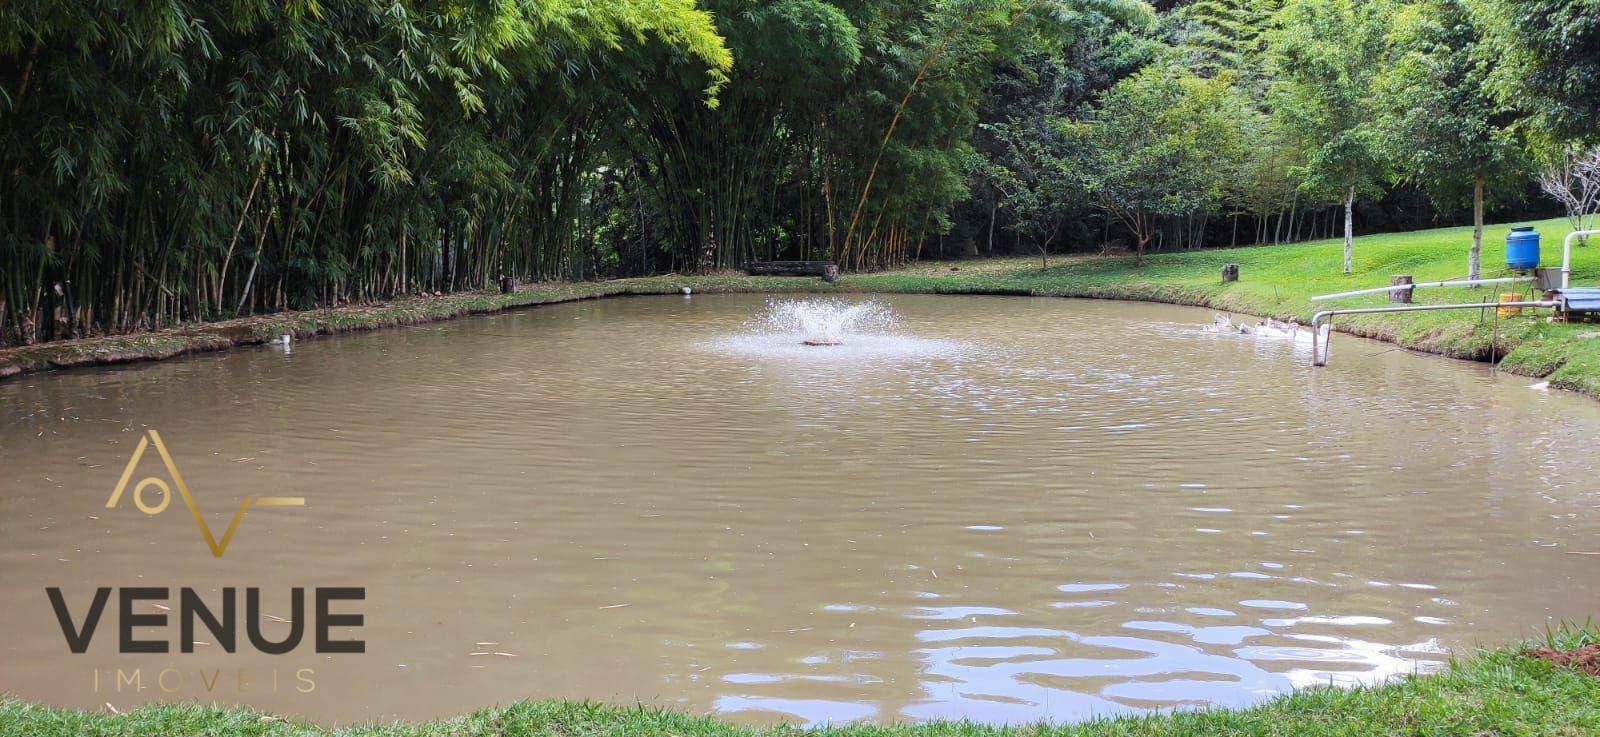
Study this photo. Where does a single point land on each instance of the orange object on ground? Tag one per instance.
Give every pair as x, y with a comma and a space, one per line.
1510, 311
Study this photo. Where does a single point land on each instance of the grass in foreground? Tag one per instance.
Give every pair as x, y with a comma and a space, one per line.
1274, 281
1493, 692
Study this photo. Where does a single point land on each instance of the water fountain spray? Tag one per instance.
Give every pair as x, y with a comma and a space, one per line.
825, 322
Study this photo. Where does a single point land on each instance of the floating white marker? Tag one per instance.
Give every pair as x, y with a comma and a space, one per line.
687, 291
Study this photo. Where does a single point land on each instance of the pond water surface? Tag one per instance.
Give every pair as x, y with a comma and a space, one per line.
1016, 509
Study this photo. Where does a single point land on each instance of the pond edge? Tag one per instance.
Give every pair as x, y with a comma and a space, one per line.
205, 337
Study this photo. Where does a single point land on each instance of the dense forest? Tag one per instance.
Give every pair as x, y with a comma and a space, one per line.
173, 160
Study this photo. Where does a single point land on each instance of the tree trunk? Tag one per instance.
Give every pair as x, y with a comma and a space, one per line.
1475, 256
994, 208
1294, 206
222, 276
1400, 295
1349, 226
1141, 237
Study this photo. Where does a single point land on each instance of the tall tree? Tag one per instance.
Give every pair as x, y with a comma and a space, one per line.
1160, 143
1551, 50
1023, 157
1325, 54
1442, 124
1217, 36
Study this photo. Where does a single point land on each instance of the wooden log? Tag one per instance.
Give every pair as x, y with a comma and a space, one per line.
1400, 295
1230, 272
791, 268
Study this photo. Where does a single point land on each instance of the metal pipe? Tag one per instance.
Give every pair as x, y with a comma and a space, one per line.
1566, 275
1566, 255
1403, 287
1318, 359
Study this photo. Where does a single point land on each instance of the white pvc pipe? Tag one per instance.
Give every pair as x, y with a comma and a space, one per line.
1404, 287
1566, 255
1319, 353
1566, 275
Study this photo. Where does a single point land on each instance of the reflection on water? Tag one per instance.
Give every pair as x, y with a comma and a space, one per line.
1005, 509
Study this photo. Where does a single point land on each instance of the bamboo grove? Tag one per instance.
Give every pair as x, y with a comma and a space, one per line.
164, 161
174, 160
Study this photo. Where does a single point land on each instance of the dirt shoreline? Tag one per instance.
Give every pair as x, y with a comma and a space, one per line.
157, 345
202, 337
416, 310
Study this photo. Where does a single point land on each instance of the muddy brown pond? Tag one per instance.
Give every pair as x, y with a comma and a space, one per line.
1005, 509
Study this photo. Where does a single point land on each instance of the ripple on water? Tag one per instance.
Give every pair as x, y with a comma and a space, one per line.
981, 508
851, 351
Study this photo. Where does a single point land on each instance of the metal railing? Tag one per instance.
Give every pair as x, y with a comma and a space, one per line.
1322, 335
1566, 275
1320, 340
1404, 287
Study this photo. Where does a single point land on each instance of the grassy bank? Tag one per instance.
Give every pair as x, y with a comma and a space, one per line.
1275, 281
1494, 692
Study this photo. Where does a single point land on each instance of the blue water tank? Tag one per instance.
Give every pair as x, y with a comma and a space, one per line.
1522, 249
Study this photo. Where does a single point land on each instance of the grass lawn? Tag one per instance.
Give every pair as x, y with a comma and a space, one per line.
1274, 281
1492, 692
